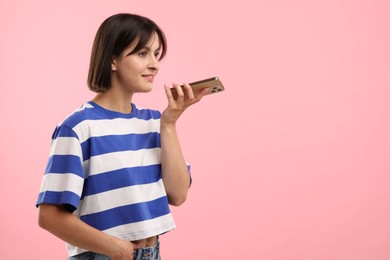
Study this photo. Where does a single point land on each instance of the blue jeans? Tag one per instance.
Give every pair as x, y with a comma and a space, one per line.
148, 253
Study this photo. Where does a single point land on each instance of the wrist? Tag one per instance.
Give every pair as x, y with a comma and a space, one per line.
167, 126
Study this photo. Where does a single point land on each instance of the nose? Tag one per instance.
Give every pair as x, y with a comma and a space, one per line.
154, 63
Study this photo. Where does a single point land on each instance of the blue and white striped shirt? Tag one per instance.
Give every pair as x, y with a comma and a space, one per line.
106, 166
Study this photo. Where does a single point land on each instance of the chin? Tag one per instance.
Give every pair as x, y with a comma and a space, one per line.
144, 90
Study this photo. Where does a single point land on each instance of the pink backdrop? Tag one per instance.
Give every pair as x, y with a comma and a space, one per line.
290, 162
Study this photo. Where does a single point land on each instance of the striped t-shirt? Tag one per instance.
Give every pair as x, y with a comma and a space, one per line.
106, 167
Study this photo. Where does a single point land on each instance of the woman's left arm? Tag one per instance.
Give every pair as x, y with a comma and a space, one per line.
175, 173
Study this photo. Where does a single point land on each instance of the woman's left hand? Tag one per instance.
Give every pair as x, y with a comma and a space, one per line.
176, 107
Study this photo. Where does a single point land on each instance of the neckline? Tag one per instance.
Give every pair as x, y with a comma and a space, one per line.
115, 113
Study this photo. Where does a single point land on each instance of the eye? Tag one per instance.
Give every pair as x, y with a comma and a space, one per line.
142, 53
157, 54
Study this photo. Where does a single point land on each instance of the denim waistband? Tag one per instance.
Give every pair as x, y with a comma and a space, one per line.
147, 253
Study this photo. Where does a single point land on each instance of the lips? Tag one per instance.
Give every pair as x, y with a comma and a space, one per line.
149, 77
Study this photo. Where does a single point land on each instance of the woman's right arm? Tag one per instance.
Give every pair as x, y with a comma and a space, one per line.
66, 226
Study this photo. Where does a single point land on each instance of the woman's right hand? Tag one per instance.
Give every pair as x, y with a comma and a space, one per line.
124, 250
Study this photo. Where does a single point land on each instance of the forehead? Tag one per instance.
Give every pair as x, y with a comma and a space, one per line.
153, 44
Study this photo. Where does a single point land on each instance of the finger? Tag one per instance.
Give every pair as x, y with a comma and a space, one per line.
189, 91
179, 90
200, 95
168, 93
203, 92
136, 245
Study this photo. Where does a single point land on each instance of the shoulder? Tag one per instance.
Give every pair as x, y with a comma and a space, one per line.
146, 113
67, 126
85, 112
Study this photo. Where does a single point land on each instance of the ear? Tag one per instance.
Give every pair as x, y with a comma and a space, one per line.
114, 65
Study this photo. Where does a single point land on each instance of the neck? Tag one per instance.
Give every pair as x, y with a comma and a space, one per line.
114, 101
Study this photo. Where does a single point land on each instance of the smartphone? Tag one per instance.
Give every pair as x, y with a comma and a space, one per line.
214, 85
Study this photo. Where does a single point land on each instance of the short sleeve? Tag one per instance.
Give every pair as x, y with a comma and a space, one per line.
189, 172
63, 179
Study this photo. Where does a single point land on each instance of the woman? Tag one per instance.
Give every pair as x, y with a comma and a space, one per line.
113, 167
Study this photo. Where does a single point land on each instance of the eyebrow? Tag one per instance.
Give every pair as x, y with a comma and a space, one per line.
144, 48
149, 49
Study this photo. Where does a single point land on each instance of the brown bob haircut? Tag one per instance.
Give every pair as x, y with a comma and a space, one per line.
114, 35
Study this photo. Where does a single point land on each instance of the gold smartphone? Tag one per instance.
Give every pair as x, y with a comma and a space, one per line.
214, 85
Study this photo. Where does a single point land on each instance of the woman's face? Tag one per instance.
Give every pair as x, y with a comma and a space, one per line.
135, 72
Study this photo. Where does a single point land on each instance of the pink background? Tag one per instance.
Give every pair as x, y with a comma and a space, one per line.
290, 162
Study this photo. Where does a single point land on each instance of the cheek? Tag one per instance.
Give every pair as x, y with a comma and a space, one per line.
134, 63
